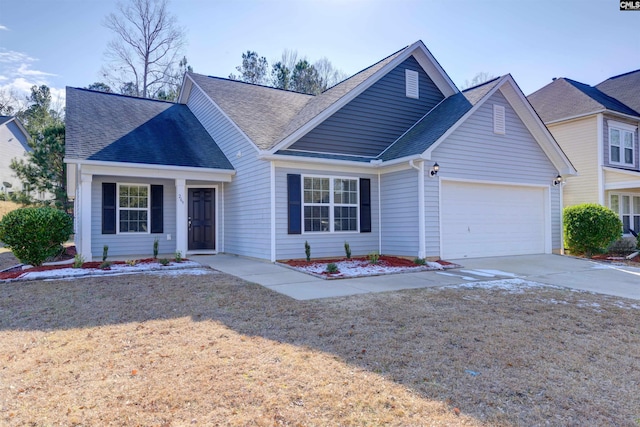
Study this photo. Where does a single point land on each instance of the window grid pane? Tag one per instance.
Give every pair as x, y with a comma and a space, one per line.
133, 208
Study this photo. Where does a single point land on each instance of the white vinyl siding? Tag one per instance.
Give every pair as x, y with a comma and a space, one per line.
246, 229
141, 244
11, 147
474, 152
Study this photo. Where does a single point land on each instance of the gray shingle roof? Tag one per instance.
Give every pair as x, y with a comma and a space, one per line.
564, 98
261, 112
268, 115
116, 128
624, 88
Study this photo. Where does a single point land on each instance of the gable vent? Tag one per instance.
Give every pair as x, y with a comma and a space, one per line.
411, 80
499, 120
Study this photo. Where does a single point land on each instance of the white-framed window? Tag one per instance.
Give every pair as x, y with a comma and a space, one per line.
621, 143
628, 207
133, 208
330, 204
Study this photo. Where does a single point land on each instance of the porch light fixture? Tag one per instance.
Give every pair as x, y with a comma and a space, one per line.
558, 180
434, 169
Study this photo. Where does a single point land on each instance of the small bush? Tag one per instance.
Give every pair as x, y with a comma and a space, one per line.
164, 261
590, 228
78, 260
131, 262
178, 256
419, 261
307, 250
156, 245
332, 268
105, 253
373, 257
106, 265
35, 234
347, 250
622, 247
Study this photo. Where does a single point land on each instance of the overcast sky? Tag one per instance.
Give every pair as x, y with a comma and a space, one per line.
62, 42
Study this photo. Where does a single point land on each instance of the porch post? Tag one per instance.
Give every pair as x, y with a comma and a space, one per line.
181, 217
85, 216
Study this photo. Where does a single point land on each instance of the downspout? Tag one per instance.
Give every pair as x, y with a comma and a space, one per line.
422, 246
272, 184
561, 217
379, 216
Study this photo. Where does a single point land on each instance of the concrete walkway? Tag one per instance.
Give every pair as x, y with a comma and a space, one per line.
549, 269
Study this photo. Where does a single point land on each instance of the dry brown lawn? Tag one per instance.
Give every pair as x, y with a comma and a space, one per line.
213, 350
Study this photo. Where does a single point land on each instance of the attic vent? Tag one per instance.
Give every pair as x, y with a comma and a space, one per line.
411, 80
499, 121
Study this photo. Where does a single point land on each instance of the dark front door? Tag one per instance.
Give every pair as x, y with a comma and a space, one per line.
202, 234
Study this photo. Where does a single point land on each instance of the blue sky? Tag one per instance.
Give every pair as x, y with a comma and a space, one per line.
62, 42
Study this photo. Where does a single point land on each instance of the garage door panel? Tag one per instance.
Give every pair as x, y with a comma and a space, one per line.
491, 220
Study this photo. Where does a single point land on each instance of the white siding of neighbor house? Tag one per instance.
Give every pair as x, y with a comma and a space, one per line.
474, 152
133, 243
399, 192
246, 199
579, 140
291, 246
12, 145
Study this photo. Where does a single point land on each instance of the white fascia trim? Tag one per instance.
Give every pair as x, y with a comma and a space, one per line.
348, 97
21, 127
621, 125
272, 172
441, 79
622, 171
602, 110
622, 185
156, 171
600, 157
183, 96
225, 116
280, 158
325, 167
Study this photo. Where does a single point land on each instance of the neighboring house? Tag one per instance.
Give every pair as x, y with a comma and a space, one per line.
597, 127
14, 144
257, 171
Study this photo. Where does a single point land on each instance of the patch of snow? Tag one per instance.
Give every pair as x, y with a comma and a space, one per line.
509, 285
355, 268
457, 275
435, 265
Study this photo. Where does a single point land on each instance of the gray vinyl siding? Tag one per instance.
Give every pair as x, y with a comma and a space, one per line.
125, 244
400, 213
473, 151
246, 199
291, 246
375, 118
636, 143
12, 146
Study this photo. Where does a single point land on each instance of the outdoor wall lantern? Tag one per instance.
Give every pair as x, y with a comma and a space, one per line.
558, 180
434, 169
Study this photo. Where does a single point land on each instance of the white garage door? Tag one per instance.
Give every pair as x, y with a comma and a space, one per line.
480, 220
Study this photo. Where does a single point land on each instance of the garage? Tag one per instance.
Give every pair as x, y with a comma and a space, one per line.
480, 220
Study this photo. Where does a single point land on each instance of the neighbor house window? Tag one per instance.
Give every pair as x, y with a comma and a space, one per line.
627, 206
330, 204
621, 144
133, 208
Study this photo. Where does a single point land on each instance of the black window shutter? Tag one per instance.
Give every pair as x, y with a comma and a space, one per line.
294, 197
365, 205
157, 204
108, 208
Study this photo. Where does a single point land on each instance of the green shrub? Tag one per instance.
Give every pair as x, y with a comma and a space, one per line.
590, 228
622, 247
35, 234
419, 261
332, 268
156, 245
178, 256
347, 250
307, 250
106, 265
164, 261
373, 257
105, 253
78, 260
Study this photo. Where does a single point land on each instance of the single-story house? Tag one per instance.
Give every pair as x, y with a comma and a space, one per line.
395, 159
14, 144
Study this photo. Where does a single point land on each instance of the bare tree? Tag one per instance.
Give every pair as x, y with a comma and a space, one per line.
478, 79
328, 74
148, 43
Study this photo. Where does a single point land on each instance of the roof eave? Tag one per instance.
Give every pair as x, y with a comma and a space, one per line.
148, 166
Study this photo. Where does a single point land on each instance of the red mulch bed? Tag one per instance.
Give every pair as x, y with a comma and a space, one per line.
385, 260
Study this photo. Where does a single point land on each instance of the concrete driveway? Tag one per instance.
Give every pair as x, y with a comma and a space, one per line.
549, 269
